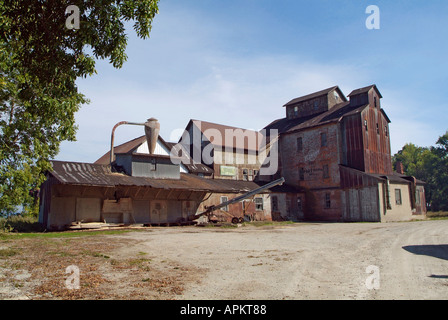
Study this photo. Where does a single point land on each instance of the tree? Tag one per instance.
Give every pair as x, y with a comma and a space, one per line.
438, 165
430, 165
40, 60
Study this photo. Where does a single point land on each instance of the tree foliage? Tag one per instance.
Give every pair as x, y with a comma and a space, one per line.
40, 60
429, 164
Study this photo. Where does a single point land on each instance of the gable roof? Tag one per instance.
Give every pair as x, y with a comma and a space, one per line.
365, 90
335, 114
128, 147
316, 95
208, 128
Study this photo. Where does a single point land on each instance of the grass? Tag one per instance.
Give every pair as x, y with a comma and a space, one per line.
438, 215
66, 234
268, 223
9, 252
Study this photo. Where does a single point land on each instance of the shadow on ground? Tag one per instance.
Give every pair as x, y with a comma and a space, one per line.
433, 250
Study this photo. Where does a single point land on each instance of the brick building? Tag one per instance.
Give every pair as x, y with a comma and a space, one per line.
337, 152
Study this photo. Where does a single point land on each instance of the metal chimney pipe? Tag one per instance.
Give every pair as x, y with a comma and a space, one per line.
152, 128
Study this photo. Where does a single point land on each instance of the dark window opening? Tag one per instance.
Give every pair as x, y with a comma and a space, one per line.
323, 139
258, 204
299, 144
274, 203
327, 201
326, 172
398, 196
302, 174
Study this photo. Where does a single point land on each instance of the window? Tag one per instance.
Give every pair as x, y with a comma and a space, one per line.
374, 101
377, 129
258, 204
248, 174
296, 111
323, 139
316, 105
365, 124
327, 201
299, 144
299, 203
301, 174
398, 196
245, 175
224, 199
325, 172
153, 165
274, 203
385, 131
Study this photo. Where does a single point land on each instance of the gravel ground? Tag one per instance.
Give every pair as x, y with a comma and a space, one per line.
407, 260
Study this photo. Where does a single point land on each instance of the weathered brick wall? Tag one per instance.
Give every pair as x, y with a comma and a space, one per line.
312, 158
311, 161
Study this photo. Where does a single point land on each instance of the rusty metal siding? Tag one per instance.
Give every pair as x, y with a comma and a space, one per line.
377, 157
353, 142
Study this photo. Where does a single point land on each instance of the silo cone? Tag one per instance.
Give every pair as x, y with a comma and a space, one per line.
152, 129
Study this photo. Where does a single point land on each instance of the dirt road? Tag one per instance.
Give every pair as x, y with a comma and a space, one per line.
309, 261
407, 260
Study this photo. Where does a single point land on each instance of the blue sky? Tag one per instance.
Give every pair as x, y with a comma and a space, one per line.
236, 62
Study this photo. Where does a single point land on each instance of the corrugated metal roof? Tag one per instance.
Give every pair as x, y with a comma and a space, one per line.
90, 174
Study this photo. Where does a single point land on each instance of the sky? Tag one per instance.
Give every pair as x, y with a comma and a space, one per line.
237, 62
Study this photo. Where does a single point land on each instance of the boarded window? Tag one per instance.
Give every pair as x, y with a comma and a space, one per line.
326, 172
274, 203
299, 144
398, 196
258, 204
323, 139
327, 201
224, 199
